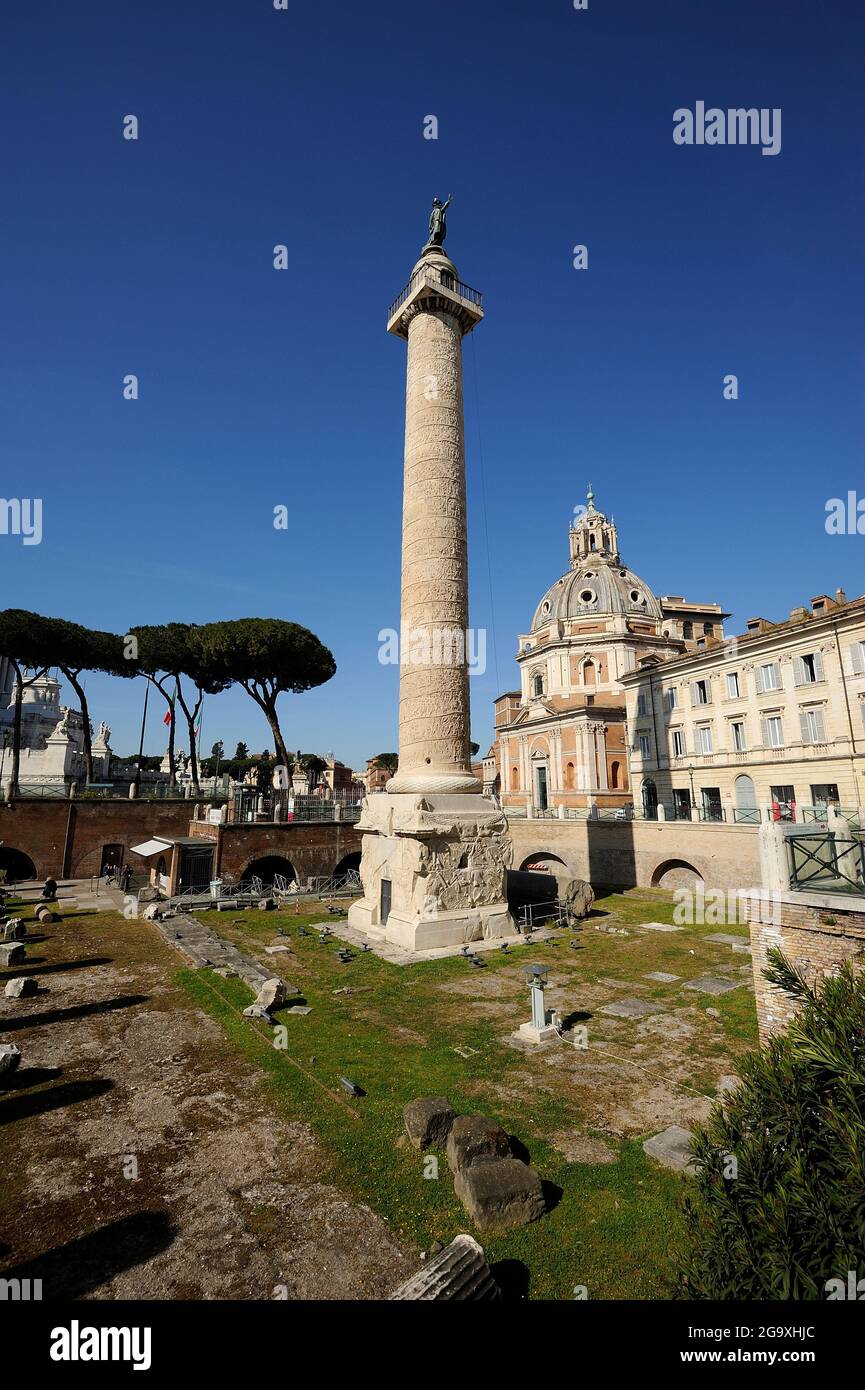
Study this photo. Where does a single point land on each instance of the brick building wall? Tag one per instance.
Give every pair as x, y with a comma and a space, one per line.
815, 937
65, 838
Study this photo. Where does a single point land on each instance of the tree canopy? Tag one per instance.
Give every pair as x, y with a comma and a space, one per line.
777, 1207
267, 657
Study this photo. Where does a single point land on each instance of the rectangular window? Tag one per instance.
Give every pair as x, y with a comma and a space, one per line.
738, 729
733, 691
812, 724
672, 698
704, 738
644, 745
856, 659
709, 629
700, 693
768, 677
783, 802
808, 669
824, 794
641, 704
678, 743
773, 731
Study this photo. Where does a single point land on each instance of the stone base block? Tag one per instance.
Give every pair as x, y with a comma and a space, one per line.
434, 871
499, 1193
531, 1034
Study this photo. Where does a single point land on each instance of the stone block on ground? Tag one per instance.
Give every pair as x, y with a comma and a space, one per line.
257, 1011
630, 1008
578, 895
659, 926
14, 930
472, 1137
724, 938
20, 987
10, 1056
709, 984
500, 1192
11, 953
428, 1121
672, 1148
662, 976
460, 1271
273, 993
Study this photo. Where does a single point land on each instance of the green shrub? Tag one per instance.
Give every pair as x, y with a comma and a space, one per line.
779, 1205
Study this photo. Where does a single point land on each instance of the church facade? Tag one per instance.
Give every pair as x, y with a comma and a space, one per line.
561, 742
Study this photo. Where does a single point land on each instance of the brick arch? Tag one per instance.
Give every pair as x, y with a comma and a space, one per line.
552, 862
266, 865
679, 873
18, 865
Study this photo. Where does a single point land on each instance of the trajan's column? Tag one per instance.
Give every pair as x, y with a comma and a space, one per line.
435, 851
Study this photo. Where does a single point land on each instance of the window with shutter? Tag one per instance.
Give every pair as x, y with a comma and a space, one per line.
856, 658
799, 675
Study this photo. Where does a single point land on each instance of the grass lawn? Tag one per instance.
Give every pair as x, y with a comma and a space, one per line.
439, 1028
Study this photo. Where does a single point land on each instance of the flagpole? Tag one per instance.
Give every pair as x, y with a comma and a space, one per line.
137, 777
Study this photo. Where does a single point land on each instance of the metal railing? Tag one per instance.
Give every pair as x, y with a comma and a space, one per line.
430, 275
347, 885
249, 805
827, 862
820, 813
553, 913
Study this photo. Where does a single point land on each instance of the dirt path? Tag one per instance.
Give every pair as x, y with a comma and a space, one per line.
139, 1156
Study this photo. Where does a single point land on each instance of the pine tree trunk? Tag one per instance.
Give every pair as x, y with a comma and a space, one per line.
16, 735
85, 715
278, 740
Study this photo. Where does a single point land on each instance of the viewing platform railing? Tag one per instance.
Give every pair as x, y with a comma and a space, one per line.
430, 275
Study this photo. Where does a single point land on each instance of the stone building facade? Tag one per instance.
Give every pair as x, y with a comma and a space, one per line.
561, 739
767, 724
52, 736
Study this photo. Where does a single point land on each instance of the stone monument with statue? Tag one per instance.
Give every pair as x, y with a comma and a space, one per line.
435, 850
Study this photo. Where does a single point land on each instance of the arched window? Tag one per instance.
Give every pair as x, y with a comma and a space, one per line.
589, 674
687, 631
515, 779
538, 683
569, 777
614, 775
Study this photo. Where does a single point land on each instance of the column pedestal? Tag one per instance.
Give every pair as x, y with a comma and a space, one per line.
433, 871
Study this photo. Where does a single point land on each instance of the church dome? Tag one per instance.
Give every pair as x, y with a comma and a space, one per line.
597, 584
597, 589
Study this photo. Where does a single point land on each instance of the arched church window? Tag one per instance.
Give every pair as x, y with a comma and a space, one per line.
515, 779
537, 683
614, 775
569, 776
589, 674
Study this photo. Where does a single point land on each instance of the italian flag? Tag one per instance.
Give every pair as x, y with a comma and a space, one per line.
169, 713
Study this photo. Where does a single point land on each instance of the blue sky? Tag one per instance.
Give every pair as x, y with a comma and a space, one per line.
261, 388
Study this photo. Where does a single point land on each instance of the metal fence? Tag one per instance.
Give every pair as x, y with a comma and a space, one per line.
249, 805
554, 913
825, 861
